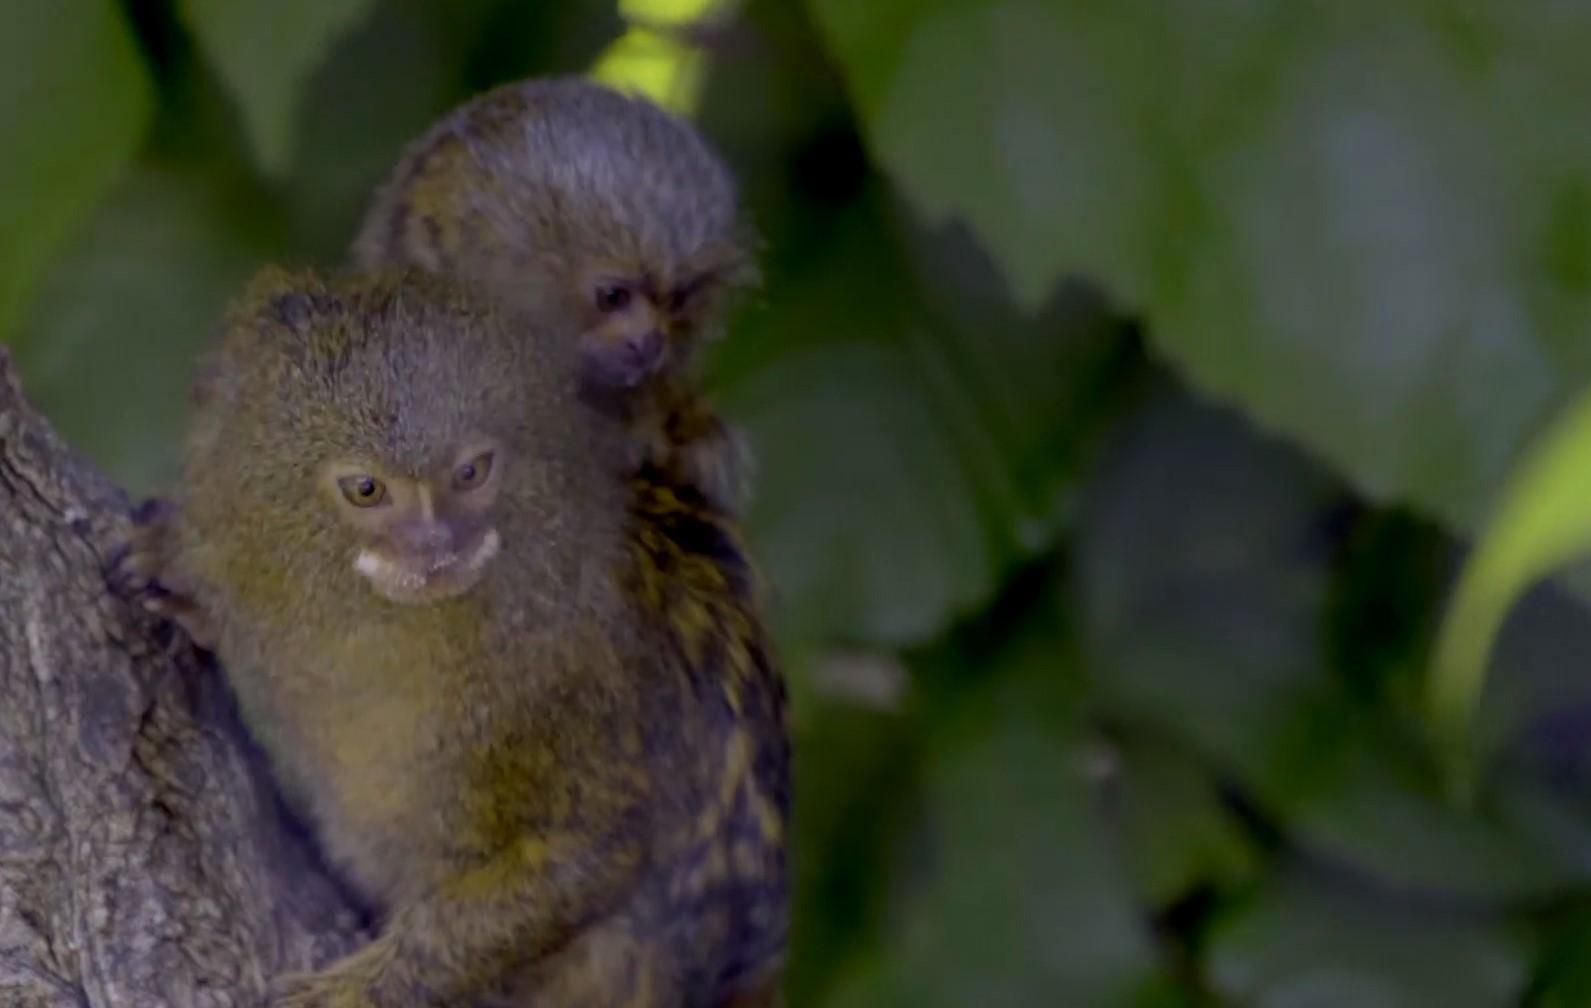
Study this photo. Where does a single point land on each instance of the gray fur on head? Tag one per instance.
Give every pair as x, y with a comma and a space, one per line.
561, 168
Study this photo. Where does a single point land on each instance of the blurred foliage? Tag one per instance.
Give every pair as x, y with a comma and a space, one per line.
263, 52
1541, 522
1108, 693
77, 99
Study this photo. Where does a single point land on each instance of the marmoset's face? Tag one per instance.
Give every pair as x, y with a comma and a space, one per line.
421, 538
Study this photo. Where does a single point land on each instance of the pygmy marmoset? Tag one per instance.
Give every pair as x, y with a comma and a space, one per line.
523, 696
611, 203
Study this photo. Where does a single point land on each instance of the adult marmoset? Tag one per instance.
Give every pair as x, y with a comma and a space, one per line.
522, 696
612, 204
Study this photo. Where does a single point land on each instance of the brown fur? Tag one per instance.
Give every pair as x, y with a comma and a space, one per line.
566, 786
561, 185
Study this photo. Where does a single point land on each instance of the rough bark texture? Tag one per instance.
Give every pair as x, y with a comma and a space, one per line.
143, 860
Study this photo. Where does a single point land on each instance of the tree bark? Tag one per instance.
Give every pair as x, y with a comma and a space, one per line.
144, 860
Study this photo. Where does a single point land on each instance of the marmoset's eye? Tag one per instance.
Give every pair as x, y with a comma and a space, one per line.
473, 473
613, 297
362, 491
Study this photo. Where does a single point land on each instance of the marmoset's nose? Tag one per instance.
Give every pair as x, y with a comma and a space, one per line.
643, 353
423, 536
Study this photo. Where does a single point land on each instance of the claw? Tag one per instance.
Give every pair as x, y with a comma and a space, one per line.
137, 570
133, 567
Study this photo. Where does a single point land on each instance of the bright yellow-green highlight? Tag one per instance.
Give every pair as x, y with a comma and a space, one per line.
1542, 522
666, 12
653, 58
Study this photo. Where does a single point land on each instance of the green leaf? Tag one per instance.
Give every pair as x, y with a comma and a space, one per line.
908, 454
857, 772
839, 429
1202, 607
1203, 586
1008, 889
392, 76
109, 351
1349, 219
1565, 979
74, 103
1372, 804
1535, 723
1018, 117
916, 435
1319, 943
1052, 914
1359, 272
1543, 522
1177, 834
264, 50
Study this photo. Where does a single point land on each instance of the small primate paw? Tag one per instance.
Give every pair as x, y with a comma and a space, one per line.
138, 572
720, 464
315, 990
371, 977
135, 569
695, 449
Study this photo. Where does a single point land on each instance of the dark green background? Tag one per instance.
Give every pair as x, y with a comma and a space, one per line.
1128, 378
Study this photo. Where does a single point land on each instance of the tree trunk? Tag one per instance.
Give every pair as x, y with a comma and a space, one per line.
143, 858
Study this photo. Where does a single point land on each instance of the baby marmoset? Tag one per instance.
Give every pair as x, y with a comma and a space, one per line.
525, 701
610, 203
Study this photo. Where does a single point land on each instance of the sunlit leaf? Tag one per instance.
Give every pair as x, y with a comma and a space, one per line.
74, 103
1204, 572
264, 50
1542, 522
657, 57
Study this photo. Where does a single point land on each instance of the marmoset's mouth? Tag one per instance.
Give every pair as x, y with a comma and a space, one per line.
417, 578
